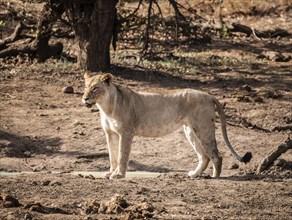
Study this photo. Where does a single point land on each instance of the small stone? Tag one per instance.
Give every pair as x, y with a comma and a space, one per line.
246, 87
233, 166
280, 163
10, 201
34, 183
46, 182
43, 115
68, 89
273, 94
90, 177
259, 99
56, 183
243, 98
28, 216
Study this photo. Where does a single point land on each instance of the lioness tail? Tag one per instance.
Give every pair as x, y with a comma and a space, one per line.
247, 157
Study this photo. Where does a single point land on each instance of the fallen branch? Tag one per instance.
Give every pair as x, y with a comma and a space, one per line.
15, 50
273, 155
282, 128
243, 123
13, 37
36, 46
259, 34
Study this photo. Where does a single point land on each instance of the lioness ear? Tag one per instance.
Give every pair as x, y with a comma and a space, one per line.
87, 75
106, 79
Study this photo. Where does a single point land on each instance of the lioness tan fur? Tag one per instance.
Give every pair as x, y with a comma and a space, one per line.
125, 114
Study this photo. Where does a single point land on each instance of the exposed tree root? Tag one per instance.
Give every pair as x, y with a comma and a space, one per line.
273, 155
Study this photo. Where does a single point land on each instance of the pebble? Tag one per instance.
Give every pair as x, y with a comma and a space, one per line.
46, 182
28, 216
233, 166
259, 99
68, 89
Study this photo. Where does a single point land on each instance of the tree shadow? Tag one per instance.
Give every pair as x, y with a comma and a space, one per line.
13, 145
274, 77
141, 74
244, 46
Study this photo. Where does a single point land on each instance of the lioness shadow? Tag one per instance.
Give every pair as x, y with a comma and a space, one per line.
13, 145
136, 166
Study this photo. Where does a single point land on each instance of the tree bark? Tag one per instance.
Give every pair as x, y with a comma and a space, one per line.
93, 22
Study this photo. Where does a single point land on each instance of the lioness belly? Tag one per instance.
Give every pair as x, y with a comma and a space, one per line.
155, 130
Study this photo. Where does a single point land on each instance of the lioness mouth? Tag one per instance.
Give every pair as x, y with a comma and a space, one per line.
88, 105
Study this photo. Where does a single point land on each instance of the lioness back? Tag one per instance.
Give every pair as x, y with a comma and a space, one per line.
164, 112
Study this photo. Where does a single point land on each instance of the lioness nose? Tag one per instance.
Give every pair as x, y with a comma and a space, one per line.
85, 99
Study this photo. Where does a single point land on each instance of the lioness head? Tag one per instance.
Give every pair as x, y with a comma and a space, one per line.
96, 88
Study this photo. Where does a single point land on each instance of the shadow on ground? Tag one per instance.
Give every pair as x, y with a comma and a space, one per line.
275, 77
13, 145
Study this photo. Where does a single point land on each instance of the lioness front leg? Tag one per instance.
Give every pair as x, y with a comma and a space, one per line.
113, 147
125, 143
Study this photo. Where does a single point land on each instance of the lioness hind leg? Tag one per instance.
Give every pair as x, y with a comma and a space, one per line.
210, 147
216, 160
203, 158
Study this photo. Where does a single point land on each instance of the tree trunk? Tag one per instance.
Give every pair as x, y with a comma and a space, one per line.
93, 22
50, 13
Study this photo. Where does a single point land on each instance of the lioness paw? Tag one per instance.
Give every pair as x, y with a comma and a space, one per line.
117, 176
106, 175
193, 174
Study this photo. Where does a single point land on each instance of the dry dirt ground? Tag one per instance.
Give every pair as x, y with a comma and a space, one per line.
44, 130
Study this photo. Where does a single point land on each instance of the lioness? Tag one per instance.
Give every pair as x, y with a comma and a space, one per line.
125, 113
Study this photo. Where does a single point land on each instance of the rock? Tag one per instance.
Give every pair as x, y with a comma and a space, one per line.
46, 183
246, 87
55, 183
93, 208
94, 110
288, 118
90, 177
259, 99
233, 166
8, 201
118, 205
280, 163
274, 56
68, 89
38, 207
273, 94
28, 216
77, 122
243, 98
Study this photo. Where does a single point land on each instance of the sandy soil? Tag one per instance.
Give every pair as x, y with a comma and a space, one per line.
44, 130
